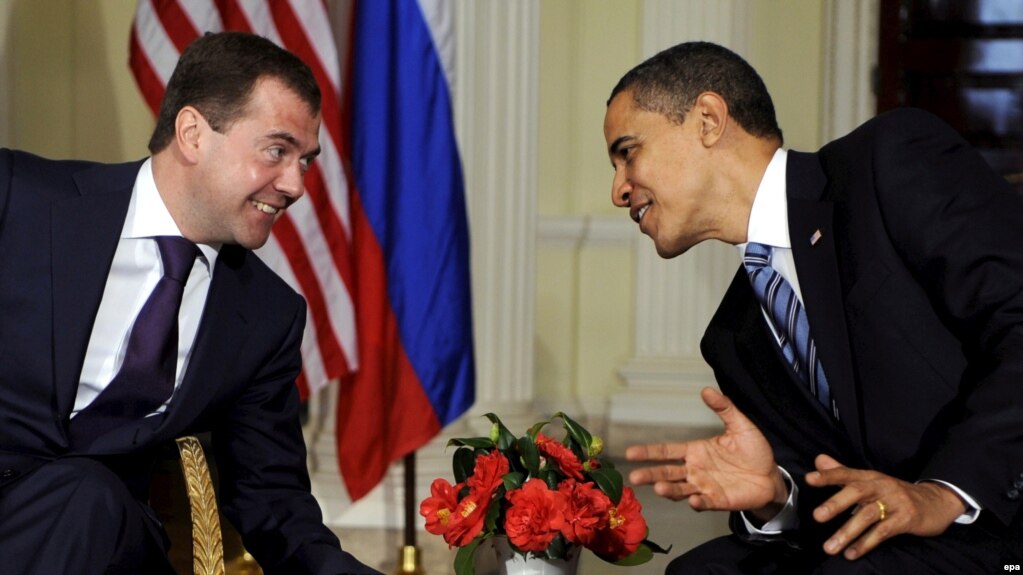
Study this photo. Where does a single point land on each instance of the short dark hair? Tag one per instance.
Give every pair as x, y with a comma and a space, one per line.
217, 73
669, 83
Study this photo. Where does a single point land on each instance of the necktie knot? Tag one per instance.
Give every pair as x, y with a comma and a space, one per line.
177, 255
757, 256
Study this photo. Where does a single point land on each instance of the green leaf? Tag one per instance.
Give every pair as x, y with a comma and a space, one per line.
530, 455
493, 513
505, 438
532, 431
655, 547
577, 432
550, 477
463, 462
638, 557
609, 481
477, 442
513, 480
464, 564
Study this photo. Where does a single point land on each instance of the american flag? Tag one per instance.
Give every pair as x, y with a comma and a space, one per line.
310, 244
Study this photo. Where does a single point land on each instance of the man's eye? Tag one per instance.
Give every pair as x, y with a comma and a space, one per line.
276, 153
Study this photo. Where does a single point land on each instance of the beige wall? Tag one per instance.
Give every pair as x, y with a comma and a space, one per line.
70, 91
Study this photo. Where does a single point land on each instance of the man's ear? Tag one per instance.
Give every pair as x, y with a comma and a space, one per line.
711, 111
188, 127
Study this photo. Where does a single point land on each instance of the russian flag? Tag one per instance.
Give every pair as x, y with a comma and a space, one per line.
410, 240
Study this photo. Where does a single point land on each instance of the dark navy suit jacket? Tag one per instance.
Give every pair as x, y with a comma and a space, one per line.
914, 295
60, 222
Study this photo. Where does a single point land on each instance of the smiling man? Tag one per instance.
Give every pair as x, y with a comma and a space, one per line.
133, 311
869, 350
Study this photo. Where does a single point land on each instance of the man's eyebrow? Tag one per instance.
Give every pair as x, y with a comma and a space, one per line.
291, 139
616, 145
283, 135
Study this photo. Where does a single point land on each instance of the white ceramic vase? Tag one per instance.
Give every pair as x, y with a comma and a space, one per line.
495, 557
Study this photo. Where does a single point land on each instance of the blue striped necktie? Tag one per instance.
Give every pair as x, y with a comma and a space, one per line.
789, 319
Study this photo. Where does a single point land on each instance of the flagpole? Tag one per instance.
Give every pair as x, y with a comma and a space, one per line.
409, 562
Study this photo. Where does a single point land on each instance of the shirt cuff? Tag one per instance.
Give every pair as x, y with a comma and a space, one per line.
973, 508
784, 520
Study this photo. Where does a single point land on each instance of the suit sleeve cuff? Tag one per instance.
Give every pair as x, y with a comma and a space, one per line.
785, 520
973, 508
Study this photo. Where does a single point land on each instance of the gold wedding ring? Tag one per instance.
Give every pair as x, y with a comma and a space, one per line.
881, 509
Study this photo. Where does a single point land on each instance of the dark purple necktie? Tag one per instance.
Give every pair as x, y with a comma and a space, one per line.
146, 378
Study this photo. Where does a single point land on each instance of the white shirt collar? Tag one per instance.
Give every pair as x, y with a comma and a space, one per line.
769, 219
148, 215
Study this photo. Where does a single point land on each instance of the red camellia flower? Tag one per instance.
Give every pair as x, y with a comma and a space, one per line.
626, 529
437, 508
488, 473
535, 517
567, 462
467, 519
586, 511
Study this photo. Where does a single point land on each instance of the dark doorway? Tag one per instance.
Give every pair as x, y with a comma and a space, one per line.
963, 61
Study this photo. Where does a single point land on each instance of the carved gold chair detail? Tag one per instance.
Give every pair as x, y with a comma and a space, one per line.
207, 538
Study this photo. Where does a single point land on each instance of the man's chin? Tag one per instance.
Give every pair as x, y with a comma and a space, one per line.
253, 243
669, 252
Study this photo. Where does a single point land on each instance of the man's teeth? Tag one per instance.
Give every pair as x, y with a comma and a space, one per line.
639, 214
265, 208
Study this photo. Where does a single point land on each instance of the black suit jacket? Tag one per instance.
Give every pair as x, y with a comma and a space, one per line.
914, 296
59, 226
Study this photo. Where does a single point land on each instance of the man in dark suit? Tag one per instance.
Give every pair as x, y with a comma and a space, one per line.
81, 248
870, 347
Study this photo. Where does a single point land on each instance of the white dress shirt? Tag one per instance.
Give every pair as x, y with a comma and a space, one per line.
769, 225
134, 273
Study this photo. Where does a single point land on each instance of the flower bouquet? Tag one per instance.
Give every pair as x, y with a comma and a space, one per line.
544, 495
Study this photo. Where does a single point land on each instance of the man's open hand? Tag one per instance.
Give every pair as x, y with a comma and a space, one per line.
925, 509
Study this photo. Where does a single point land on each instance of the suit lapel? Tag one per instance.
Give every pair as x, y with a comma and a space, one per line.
811, 230
747, 356
85, 233
224, 327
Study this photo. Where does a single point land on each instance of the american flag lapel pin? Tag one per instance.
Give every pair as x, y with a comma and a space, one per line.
816, 237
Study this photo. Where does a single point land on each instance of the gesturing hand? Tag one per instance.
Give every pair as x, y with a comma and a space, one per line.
734, 471
924, 509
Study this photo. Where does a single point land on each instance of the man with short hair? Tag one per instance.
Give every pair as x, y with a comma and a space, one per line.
869, 350
134, 312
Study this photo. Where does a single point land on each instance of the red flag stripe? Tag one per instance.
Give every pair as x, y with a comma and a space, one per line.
330, 348
179, 27
289, 27
232, 15
333, 232
149, 83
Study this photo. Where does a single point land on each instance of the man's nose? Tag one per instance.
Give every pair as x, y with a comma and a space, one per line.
621, 189
292, 182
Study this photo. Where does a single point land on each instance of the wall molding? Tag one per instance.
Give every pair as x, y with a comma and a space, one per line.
586, 231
